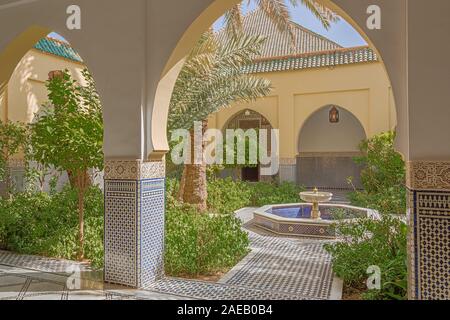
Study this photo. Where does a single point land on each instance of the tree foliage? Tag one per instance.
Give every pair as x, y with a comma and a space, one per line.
68, 135
278, 12
13, 139
383, 176
68, 132
212, 79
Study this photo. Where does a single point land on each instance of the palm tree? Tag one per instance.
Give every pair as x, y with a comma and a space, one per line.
212, 79
278, 12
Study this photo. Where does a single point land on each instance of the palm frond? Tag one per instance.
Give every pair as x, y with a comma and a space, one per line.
211, 80
233, 21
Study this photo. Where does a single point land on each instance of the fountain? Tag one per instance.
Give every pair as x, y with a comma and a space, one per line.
315, 198
307, 219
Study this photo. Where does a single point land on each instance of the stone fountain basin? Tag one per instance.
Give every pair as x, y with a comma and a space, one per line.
293, 220
319, 197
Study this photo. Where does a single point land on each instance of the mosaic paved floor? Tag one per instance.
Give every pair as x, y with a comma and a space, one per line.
276, 269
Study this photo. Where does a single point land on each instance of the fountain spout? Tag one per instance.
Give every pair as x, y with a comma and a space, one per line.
315, 198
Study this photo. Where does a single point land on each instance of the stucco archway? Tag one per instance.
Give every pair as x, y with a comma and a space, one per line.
157, 140
326, 150
249, 119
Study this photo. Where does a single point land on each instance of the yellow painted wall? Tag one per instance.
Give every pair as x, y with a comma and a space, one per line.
362, 89
26, 87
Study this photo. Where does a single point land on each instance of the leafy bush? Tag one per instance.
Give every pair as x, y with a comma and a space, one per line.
200, 243
368, 243
271, 193
225, 196
383, 176
43, 224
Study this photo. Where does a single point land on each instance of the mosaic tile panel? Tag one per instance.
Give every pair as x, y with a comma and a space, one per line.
286, 266
430, 239
429, 234
219, 291
151, 245
121, 232
41, 263
134, 222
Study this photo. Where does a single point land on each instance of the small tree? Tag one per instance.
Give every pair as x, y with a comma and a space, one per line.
68, 135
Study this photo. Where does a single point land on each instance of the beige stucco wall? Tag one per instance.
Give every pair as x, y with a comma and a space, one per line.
362, 89
320, 136
26, 88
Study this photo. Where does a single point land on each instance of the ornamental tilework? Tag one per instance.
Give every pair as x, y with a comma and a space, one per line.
134, 222
429, 236
151, 244
120, 232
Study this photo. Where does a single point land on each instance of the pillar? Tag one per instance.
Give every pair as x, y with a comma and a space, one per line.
134, 222
429, 224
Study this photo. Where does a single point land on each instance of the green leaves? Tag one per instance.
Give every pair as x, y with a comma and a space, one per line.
368, 243
383, 176
278, 12
43, 224
13, 138
68, 132
202, 244
212, 79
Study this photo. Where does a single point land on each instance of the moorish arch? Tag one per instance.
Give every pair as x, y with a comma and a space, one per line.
249, 119
326, 149
136, 94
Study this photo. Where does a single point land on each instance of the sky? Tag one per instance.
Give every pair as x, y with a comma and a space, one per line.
341, 32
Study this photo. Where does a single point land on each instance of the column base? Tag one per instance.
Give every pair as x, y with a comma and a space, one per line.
134, 222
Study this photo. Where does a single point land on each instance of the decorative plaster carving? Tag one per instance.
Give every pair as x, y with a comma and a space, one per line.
134, 170
428, 175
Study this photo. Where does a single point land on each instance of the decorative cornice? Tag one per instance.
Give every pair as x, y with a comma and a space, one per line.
134, 170
428, 175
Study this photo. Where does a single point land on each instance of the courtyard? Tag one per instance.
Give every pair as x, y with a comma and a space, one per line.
263, 150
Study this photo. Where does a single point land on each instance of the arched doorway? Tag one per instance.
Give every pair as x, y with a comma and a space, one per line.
248, 120
327, 144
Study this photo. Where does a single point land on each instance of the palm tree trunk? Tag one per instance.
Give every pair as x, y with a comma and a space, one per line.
193, 186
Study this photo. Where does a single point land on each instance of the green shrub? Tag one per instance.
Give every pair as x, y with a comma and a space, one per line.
43, 224
225, 196
202, 244
271, 193
383, 176
368, 243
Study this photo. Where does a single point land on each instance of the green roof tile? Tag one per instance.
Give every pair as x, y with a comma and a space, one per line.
58, 48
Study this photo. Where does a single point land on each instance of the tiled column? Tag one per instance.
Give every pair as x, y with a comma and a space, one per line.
134, 222
429, 230
288, 170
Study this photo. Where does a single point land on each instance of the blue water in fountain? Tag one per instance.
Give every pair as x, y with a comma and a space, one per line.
299, 212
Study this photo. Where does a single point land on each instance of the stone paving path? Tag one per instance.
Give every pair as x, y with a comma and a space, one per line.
276, 269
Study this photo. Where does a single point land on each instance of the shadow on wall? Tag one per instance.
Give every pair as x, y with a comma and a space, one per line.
326, 150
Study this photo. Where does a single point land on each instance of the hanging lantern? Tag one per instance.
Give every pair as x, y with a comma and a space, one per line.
334, 115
